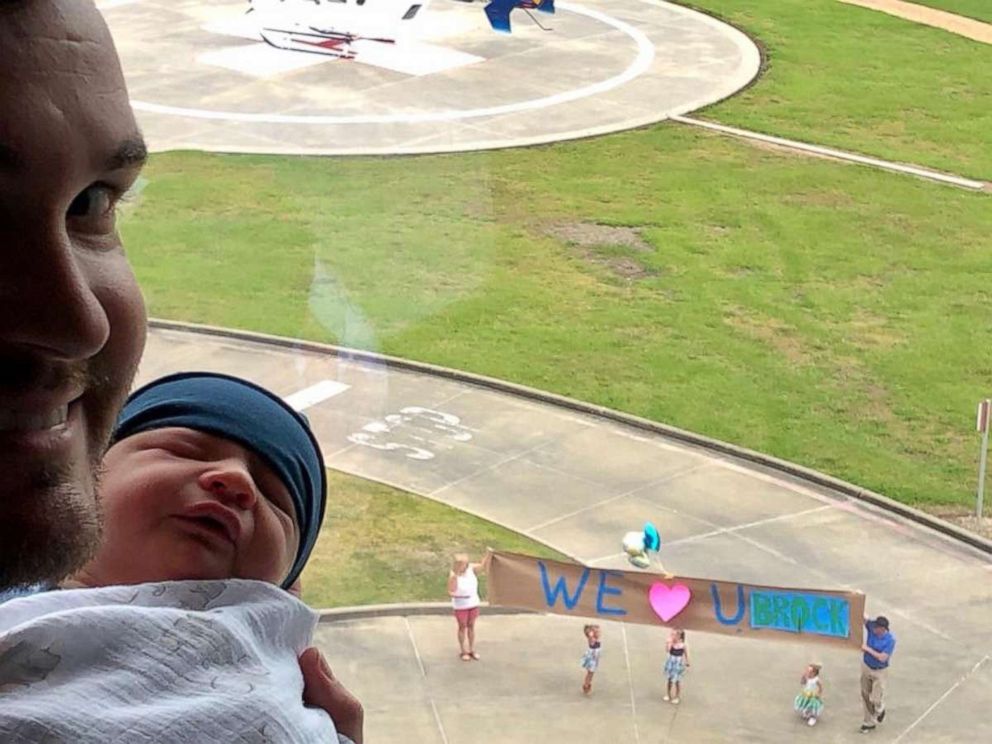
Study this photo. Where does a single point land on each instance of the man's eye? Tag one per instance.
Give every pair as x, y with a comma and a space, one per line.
93, 208
93, 201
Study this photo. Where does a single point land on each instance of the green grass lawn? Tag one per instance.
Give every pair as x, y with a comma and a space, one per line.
381, 545
978, 9
829, 314
861, 80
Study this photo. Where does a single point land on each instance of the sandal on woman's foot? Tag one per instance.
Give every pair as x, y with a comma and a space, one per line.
466, 656
586, 689
473, 655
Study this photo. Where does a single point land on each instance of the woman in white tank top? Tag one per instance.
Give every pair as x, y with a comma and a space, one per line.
463, 588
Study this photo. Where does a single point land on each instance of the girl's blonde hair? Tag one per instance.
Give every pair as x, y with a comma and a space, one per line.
459, 559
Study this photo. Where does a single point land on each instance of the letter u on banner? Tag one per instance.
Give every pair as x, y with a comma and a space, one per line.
718, 606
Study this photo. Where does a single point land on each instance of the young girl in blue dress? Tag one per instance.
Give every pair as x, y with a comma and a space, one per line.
675, 665
590, 659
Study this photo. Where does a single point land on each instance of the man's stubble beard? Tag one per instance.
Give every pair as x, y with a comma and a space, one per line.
59, 526
57, 535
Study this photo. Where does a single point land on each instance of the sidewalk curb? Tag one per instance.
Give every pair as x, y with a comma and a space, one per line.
521, 391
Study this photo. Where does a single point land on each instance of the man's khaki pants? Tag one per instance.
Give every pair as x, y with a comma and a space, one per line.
872, 692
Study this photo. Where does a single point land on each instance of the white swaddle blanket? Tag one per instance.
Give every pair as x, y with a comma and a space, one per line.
182, 661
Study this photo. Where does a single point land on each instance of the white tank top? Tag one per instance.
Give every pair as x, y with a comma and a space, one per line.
466, 594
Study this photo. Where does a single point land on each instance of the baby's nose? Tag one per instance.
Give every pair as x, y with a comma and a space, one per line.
231, 485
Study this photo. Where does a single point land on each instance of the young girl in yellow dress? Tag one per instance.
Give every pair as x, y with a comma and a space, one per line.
809, 701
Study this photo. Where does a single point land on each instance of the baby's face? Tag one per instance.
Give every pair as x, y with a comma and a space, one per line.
182, 504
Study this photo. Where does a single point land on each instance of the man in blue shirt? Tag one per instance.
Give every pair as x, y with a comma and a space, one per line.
878, 648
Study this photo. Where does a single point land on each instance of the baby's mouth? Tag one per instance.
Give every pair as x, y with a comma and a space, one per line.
210, 528
215, 520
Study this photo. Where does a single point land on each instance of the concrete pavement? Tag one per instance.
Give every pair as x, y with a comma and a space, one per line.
607, 65
578, 483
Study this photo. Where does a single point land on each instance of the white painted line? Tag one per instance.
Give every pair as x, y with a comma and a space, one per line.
750, 541
773, 479
412, 58
575, 513
941, 699
860, 509
728, 531
611, 499
423, 673
771, 551
630, 685
915, 621
433, 494
260, 60
108, 4
570, 418
594, 561
338, 452
830, 152
899, 578
237, 27
311, 396
628, 435
642, 62
748, 525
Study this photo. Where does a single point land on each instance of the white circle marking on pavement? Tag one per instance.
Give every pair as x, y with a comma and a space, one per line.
645, 56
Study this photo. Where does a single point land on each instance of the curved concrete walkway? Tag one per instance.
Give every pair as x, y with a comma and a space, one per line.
578, 482
200, 80
970, 28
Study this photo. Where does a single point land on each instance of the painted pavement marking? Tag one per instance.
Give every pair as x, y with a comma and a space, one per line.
630, 684
423, 673
617, 497
748, 525
941, 699
317, 393
110, 4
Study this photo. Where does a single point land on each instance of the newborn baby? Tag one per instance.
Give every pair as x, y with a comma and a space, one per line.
180, 629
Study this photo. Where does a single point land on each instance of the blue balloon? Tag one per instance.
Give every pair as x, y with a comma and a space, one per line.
652, 540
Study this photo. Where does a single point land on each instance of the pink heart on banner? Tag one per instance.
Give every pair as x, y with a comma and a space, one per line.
668, 601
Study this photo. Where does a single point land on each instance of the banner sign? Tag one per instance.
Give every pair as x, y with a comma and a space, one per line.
773, 613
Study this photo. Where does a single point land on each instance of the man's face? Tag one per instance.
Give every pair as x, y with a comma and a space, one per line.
182, 504
72, 322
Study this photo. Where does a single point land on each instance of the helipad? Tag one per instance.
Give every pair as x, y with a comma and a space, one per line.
199, 80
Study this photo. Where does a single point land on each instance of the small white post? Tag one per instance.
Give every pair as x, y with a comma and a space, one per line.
984, 411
